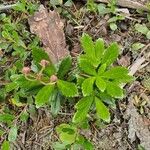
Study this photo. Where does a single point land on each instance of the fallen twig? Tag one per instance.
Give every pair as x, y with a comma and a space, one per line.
5, 7
128, 4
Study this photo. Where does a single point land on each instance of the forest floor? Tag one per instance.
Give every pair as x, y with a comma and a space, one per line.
130, 123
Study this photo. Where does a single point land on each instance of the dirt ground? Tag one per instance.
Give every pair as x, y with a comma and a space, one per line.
130, 125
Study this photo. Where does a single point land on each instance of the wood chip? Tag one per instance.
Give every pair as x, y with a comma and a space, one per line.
138, 126
49, 28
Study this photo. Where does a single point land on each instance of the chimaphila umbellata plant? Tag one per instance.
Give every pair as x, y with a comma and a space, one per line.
96, 84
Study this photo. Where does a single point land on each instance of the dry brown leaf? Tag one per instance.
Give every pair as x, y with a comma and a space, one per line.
138, 126
49, 27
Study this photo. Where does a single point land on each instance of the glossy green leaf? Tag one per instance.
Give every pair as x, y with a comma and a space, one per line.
116, 72
82, 107
10, 86
101, 84
99, 48
102, 110
67, 133
64, 67
86, 66
43, 95
5, 145
6, 118
39, 54
67, 88
56, 98
88, 45
87, 86
102, 69
12, 134
114, 90
111, 54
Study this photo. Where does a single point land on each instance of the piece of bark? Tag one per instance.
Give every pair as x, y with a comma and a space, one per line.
138, 125
49, 28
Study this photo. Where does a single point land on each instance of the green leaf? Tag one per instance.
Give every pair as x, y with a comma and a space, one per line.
20, 6
82, 107
12, 134
87, 86
56, 98
113, 26
88, 45
102, 110
115, 72
43, 95
64, 67
25, 84
101, 69
88, 145
59, 146
114, 90
102, 10
142, 28
39, 54
137, 46
99, 48
101, 84
24, 116
86, 66
67, 133
67, 88
5, 145
6, 118
148, 35
111, 54
10, 86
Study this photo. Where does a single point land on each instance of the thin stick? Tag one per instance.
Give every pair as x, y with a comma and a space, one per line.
128, 4
6, 7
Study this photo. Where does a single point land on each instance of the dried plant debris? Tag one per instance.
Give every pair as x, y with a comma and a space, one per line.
138, 126
49, 27
146, 83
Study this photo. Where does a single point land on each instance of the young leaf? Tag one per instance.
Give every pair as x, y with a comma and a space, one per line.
82, 107
102, 110
111, 54
102, 69
99, 48
12, 134
43, 95
55, 102
114, 90
101, 84
113, 26
5, 145
116, 72
67, 133
67, 88
39, 54
6, 118
88, 45
86, 66
87, 86
64, 67
137, 46
142, 28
